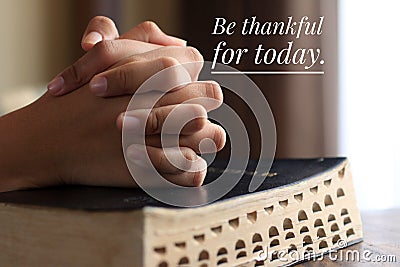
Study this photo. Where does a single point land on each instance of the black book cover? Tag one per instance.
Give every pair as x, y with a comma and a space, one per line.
284, 173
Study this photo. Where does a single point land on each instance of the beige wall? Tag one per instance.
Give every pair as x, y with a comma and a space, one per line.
41, 37
27, 34
37, 34
167, 14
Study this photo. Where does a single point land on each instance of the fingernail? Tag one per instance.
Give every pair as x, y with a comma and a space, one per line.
98, 85
131, 123
93, 38
56, 85
136, 154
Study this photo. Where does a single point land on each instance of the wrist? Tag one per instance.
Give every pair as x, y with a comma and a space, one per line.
23, 157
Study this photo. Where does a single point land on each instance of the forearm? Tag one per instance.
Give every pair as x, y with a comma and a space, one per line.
21, 159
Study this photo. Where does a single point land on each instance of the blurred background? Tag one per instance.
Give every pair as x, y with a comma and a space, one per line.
349, 111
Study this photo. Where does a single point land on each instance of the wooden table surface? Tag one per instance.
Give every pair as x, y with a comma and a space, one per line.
381, 239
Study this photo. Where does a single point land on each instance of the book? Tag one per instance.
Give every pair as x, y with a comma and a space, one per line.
303, 207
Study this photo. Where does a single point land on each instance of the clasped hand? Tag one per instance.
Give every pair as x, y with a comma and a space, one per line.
69, 134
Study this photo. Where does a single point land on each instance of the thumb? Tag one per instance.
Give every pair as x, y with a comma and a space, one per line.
99, 28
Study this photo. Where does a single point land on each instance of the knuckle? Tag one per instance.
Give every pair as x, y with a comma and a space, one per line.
197, 124
190, 157
198, 178
199, 117
210, 90
106, 48
102, 20
161, 159
219, 137
194, 54
167, 62
74, 74
216, 92
149, 26
189, 154
133, 59
122, 78
159, 103
154, 121
198, 110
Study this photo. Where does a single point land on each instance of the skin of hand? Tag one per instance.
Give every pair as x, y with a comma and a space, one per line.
119, 62
102, 31
103, 28
147, 59
127, 75
122, 77
73, 140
